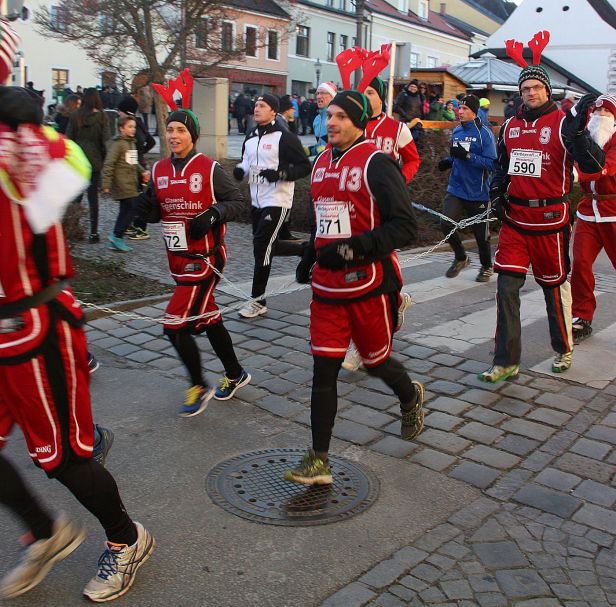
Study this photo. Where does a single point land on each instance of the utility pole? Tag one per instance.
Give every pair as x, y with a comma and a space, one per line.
360, 7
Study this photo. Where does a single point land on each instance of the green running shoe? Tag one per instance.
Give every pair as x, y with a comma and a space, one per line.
312, 470
497, 373
412, 420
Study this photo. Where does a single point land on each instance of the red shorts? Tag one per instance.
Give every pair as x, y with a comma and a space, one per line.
548, 254
193, 300
48, 397
368, 323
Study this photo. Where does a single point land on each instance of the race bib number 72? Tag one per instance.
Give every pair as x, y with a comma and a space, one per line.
333, 220
174, 235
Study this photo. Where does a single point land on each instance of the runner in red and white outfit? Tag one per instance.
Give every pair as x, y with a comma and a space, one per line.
44, 376
529, 193
596, 213
193, 198
363, 213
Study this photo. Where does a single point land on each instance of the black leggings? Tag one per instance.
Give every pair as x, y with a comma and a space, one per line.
88, 481
324, 398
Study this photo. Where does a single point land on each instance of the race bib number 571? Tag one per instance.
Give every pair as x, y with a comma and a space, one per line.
525, 163
333, 220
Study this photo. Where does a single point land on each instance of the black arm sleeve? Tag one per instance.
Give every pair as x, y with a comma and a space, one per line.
229, 199
293, 159
398, 223
148, 208
500, 177
588, 154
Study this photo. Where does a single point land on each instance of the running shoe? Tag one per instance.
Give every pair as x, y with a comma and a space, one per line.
457, 266
118, 244
117, 567
130, 231
312, 470
352, 360
405, 304
138, 234
253, 309
581, 329
93, 364
197, 399
484, 274
562, 362
228, 387
39, 557
498, 373
412, 419
103, 439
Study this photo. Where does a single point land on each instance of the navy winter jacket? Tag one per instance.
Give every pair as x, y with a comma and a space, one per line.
470, 179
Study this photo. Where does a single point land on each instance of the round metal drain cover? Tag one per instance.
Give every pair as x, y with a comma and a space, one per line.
252, 486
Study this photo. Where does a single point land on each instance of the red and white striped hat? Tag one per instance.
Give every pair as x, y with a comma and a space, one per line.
327, 87
9, 41
608, 101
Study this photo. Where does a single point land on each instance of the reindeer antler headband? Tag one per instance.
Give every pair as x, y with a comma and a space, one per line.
371, 62
537, 44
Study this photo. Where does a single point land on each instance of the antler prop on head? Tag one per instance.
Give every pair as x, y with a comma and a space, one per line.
514, 50
536, 44
372, 64
183, 84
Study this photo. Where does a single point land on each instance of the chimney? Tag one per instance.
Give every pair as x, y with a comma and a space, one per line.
443, 8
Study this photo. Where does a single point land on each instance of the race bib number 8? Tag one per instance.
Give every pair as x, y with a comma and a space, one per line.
254, 177
525, 163
174, 235
333, 220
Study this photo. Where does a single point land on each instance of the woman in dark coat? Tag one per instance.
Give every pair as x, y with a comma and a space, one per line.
88, 128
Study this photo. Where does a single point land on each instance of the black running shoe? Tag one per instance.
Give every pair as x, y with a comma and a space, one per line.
457, 266
581, 329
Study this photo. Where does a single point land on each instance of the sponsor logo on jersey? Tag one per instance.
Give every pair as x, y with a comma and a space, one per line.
44, 449
177, 181
267, 146
528, 131
545, 134
319, 174
162, 182
514, 132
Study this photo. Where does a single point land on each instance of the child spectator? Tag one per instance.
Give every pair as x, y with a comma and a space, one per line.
122, 176
449, 112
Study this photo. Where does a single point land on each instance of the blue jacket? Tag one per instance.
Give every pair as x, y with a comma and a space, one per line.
319, 127
470, 179
482, 114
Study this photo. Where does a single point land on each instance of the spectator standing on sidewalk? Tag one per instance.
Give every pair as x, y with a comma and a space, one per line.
530, 194
65, 110
595, 228
409, 103
325, 93
273, 159
471, 160
363, 213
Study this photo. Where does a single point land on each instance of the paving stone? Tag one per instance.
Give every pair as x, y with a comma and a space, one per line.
138, 338
396, 447
582, 421
518, 392
446, 373
448, 360
480, 397
509, 483
560, 402
599, 537
443, 421
560, 442
444, 441
475, 474
520, 445
549, 416
521, 583
370, 399
446, 387
353, 595
610, 420
579, 392
472, 567
409, 556
582, 578
472, 366
158, 345
143, 356
104, 324
433, 596
603, 433
546, 384
473, 514
279, 405
591, 448
454, 549
556, 479
437, 537
510, 406
528, 429
566, 591
554, 576
388, 600
585, 467
537, 461
426, 572
480, 433
413, 583
124, 349
485, 416
433, 459
457, 589
490, 531
416, 351
492, 457
574, 528
483, 583
367, 416
597, 517
491, 599
556, 503
441, 561
471, 380
500, 555
106, 342
448, 405
384, 574
406, 594
545, 602
597, 493
354, 433
167, 364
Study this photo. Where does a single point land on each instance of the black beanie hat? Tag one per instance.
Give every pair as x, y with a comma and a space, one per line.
285, 103
379, 86
188, 119
471, 102
535, 72
128, 105
271, 100
356, 105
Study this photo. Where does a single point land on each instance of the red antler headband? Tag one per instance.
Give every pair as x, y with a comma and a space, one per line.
183, 84
371, 62
536, 44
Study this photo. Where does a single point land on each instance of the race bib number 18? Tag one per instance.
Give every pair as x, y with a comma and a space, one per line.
174, 235
333, 220
525, 163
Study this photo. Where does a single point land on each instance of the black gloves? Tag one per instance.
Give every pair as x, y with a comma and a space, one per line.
336, 255
445, 164
304, 267
147, 209
498, 202
457, 151
273, 175
577, 116
238, 173
202, 224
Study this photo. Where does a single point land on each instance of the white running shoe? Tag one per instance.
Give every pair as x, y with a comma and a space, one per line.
38, 558
562, 362
253, 309
118, 566
352, 360
405, 304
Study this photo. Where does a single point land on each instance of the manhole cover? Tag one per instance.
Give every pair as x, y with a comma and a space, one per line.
251, 486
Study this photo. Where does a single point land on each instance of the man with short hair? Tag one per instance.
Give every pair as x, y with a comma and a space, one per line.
325, 93
273, 158
471, 160
409, 102
363, 213
596, 213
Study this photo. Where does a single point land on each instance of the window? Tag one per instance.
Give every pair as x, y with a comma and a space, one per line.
414, 60
272, 44
353, 41
251, 41
201, 34
343, 5
331, 46
344, 42
329, 3
302, 41
432, 62
59, 17
423, 10
59, 78
106, 23
226, 36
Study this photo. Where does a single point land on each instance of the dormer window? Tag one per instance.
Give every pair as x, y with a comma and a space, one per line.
423, 10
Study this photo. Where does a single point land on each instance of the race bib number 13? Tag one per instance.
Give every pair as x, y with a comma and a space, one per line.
333, 220
174, 235
525, 163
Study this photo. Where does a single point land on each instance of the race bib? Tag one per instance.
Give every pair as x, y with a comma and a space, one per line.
174, 235
131, 157
254, 177
333, 220
525, 163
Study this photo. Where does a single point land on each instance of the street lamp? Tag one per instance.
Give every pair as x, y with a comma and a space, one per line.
317, 69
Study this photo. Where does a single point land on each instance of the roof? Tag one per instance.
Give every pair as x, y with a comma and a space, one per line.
435, 20
267, 7
465, 27
605, 10
500, 52
493, 9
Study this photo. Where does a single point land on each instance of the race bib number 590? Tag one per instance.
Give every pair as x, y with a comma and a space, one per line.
333, 220
525, 163
174, 235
